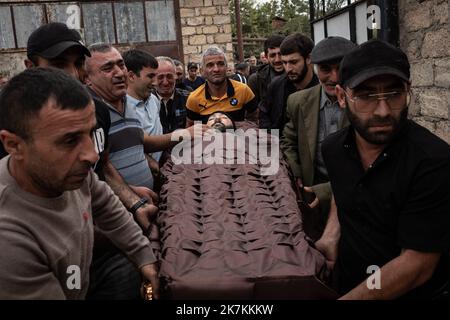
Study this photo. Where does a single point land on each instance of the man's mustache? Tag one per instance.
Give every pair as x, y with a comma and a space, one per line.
378, 121
118, 81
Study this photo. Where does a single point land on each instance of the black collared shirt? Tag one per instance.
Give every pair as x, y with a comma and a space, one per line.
101, 133
401, 201
173, 112
272, 113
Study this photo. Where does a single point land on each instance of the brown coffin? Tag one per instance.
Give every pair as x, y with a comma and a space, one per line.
226, 231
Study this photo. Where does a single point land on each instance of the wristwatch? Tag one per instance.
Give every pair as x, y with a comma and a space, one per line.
137, 205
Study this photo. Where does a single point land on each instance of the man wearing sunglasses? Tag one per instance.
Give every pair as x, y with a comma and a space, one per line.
391, 233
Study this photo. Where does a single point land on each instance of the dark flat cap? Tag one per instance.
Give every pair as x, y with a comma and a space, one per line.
331, 49
370, 59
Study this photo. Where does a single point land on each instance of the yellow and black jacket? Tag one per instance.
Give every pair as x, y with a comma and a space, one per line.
238, 99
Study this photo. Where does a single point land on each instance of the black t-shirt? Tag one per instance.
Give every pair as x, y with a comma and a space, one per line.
401, 201
173, 113
101, 133
194, 84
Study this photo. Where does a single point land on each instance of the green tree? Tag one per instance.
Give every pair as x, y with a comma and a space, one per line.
256, 17
319, 7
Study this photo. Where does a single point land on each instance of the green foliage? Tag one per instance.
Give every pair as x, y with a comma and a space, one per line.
256, 17
327, 5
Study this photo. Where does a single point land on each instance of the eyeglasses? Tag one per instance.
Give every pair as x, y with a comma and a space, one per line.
368, 102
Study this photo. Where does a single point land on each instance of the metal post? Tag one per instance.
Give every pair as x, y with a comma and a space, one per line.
312, 10
240, 43
389, 21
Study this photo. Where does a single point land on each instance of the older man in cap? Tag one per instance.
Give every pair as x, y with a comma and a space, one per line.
312, 115
391, 233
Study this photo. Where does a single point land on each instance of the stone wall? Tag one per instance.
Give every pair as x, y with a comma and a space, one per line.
205, 23
425, 37
12, 63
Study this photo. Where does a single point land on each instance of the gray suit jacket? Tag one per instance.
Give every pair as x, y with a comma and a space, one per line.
299, 139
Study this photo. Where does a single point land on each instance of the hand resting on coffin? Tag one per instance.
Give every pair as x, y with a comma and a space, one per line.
145, 214
150, 274
307, 193
328, 243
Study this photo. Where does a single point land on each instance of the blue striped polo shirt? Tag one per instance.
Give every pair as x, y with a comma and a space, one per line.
148, 114
126, 147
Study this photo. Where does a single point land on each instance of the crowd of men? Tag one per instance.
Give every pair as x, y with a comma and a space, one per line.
84, 131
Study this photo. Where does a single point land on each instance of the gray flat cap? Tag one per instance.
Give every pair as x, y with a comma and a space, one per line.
331, 49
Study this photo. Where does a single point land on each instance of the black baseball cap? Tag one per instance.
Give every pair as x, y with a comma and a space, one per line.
52, 39
192, 65
331, 49
370, 59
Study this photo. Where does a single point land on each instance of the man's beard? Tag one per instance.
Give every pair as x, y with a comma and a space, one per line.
377, 138
302, 74
219, 126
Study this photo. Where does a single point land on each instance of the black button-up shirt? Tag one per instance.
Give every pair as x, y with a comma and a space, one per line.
401, 201
173, 112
